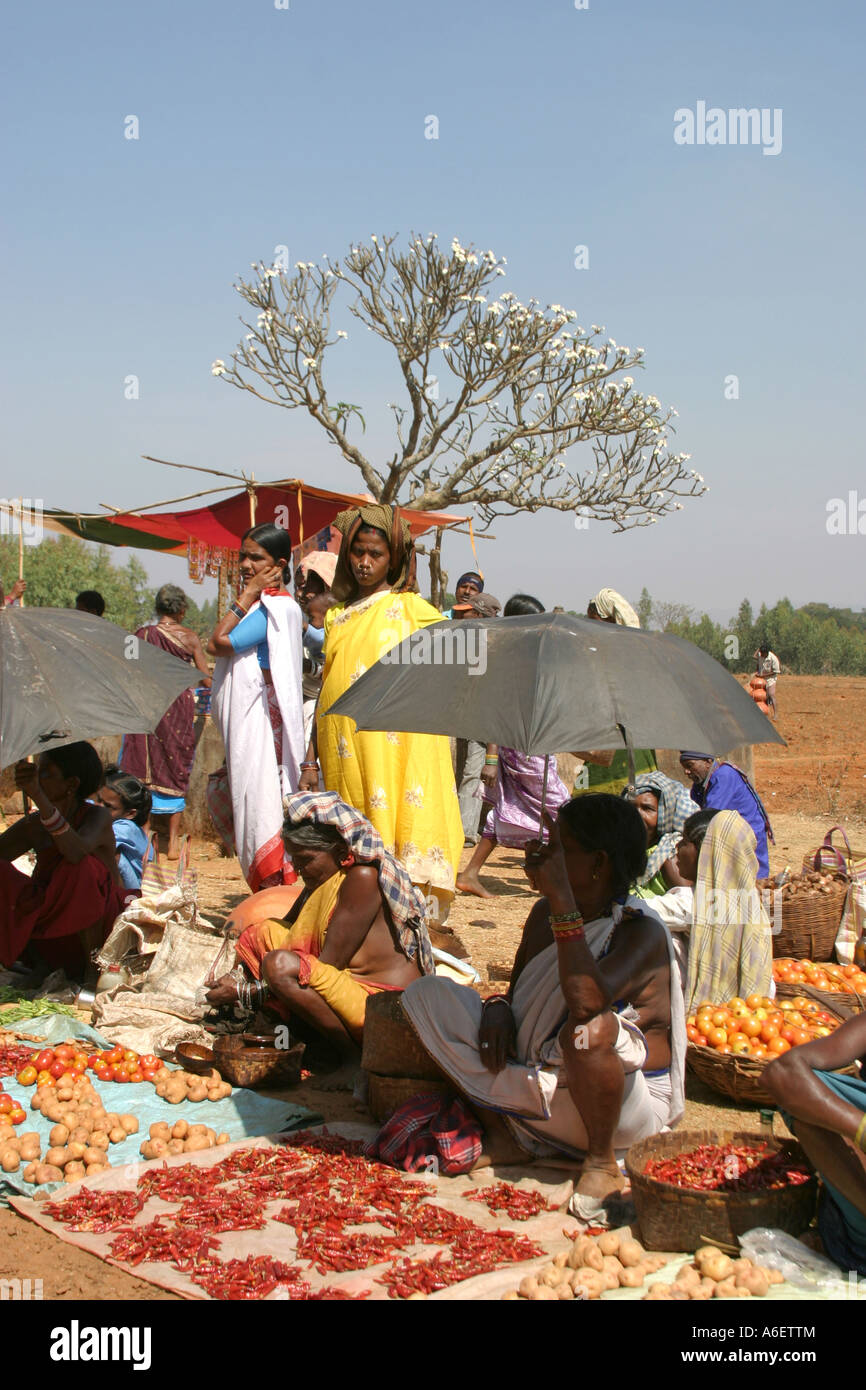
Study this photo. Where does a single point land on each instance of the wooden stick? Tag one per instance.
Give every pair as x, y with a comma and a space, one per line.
21, 560
194, 468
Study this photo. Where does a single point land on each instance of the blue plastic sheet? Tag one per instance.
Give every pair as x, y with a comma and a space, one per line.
243, 1115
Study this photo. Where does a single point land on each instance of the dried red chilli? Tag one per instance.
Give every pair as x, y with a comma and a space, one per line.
173, 1184
158, 1242
338, 1252
222, 1211
13, 1059
473, 1252
729, 1168
255, 1277
95, 1211
517, 1203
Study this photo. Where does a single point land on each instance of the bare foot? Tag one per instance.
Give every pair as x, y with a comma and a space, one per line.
469, 883
172, 852
599, 1180
343, 1079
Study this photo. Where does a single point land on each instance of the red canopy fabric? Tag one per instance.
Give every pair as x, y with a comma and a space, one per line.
303, 509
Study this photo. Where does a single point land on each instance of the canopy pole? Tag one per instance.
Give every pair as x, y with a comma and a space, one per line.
543, 797
300, 515
21, 567
251, 493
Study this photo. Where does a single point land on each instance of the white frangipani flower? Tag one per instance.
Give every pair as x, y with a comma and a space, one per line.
218, 368
341, 333
309, 361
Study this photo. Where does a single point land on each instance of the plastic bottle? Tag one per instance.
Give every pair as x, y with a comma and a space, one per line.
112, 977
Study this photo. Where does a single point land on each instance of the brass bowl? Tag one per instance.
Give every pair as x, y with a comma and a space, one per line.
257, 1066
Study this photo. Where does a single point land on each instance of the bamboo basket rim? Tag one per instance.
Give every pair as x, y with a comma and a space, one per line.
693, 1139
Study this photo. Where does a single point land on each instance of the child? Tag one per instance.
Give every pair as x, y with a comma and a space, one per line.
128, 802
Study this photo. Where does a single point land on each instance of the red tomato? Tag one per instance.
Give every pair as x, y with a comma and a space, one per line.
44, 1078
114, 1056
136, 1076
57, 1069
119, 1074
79, 1064
149, 1062
130, 1055
7, 1103
102, 1072
17, 1117
149, 1073
26, 1076
43, 1060
65, 1052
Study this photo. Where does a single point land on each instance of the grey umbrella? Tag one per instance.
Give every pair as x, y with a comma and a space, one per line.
551, 682
66, 675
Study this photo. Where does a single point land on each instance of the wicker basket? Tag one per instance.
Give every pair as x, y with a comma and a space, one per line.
257, 1066
836, 1001
391, 1045
388, 1093
730, 1075
810, 922
676, 1218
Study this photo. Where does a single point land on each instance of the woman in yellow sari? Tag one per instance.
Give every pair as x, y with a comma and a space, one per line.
402, 782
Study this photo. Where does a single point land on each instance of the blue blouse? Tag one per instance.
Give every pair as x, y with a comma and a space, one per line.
131, 842
252, 631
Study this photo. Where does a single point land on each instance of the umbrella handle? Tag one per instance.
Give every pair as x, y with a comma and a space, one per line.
543, 798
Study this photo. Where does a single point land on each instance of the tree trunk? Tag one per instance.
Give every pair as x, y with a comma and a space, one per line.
438, 578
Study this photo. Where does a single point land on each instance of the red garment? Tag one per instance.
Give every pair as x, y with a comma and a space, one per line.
164, 759
429, 1131
52, 907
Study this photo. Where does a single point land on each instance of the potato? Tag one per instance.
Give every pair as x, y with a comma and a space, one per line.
718, 1268
29, 1147
223, 1139
631, 1252
564, 1290
80, 1134
99, 1139
180, 1130
544, 1294
608, 1243
753, 1280
29, 1174
688, 1275
54, 1113
175, 1097
10, 1159
92, 1155
196, 1145
160, 1130
742, 1264
176, 1146
74, 1172
726, 1288
705, 1252
509, 1297
197, 1129
658, 1292
160, 1088
590, 1280
64, 1093
7, 1133
129, 1123
528, 1286
631, 1278
559, 1259
117, 1135
611, 1263
94, 1169
46, 1172
76, 1148
58, 1135
654, 1263
154, 1148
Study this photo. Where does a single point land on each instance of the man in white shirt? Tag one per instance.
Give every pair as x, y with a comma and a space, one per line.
768, 667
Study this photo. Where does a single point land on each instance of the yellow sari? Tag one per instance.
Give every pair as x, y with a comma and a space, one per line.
403, 783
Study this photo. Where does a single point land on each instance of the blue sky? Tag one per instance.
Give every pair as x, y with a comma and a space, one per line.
305, 127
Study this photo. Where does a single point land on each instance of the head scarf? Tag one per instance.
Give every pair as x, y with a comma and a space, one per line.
609, 604
675, 807
384, 518
730, 943
690, 755
320, 562
474, 576
482, 605
405, 904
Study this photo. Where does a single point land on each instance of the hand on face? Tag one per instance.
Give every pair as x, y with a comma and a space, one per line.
270, 577
27, 778
544, 864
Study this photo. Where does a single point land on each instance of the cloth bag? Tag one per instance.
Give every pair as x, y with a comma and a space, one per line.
159, 874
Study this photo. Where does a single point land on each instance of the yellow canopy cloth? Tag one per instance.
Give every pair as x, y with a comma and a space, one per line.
730, 944
402, 782
401, 570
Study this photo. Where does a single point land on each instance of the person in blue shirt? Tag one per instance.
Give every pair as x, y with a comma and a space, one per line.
719, 785
128, 802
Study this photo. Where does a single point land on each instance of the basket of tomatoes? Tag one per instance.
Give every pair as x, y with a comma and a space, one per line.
841, 986
729, 1045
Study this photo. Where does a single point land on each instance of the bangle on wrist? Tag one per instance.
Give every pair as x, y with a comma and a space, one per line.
238, 611
495, 999
568, 933
307, 766
491, 757
573, 915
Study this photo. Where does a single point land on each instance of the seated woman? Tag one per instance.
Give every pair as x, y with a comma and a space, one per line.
676, 907
664, 806
586, 1052
827, 1113
358, 927
730, 938
68, 906
128, 802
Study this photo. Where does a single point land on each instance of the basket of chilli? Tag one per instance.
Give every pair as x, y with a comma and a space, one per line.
694, 1187
730, 1044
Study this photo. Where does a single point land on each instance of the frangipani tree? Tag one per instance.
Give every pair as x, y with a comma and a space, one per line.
496, 392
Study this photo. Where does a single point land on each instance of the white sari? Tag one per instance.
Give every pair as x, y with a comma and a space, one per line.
258, 782
531, 1091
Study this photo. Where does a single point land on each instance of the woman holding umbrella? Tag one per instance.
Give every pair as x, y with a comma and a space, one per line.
76, 887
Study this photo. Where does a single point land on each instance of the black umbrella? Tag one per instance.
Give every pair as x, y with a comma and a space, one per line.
66, 675
551, 682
